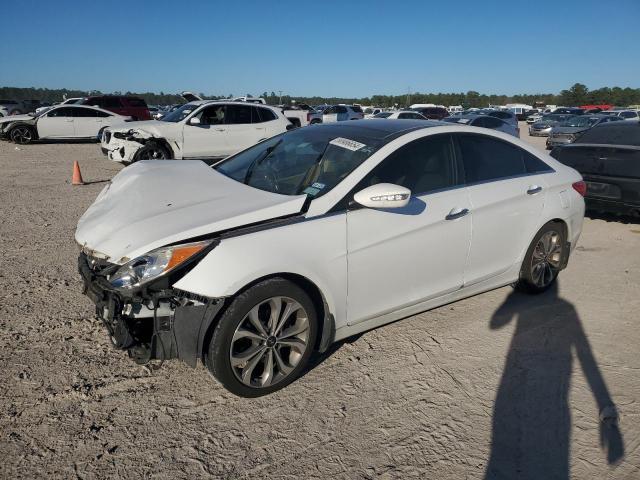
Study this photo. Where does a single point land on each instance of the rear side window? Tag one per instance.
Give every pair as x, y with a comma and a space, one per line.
83, 112
238, 114
534, 165
108, 102
259, 115
340, 109
102, 114
356, 108
422, 166
486, 159
136, 102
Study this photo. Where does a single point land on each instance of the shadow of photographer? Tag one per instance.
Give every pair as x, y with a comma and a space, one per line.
532, 418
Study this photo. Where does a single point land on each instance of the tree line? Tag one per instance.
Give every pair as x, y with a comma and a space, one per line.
578, 94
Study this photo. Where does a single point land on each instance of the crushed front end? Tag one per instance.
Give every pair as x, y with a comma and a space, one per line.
153, 322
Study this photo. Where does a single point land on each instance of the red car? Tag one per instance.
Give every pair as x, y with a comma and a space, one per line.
134, 107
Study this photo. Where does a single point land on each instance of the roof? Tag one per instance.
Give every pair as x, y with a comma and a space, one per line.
382, 128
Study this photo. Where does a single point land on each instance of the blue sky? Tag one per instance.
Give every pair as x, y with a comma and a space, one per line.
327, 48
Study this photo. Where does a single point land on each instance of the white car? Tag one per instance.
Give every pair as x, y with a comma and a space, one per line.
200, 129
400, 115
59, 122
318, 234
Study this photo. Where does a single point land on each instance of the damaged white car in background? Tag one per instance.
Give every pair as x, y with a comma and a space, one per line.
200, 129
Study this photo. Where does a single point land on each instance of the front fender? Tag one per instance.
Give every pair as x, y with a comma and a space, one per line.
314, 249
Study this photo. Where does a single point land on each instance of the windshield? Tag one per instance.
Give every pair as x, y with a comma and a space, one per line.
579, 121
305, 161
180, 113
382, 115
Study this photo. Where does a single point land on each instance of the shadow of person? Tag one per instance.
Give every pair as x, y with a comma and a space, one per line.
531, 417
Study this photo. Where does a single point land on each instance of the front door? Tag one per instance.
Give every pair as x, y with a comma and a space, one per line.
401, 257
209, 137
57, 123
241, 133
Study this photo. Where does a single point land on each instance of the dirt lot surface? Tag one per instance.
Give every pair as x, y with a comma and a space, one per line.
501, 382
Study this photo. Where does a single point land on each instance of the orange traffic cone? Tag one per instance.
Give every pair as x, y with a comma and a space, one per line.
77, 176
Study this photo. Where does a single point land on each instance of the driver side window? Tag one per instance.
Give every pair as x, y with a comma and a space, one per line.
424, 165
60, 112
213, 115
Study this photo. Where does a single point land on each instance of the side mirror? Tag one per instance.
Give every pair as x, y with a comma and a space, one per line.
383, 195
194, 121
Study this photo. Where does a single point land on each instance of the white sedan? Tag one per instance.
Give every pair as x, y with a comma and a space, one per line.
57, 123
246, 265
199, 129
400, 115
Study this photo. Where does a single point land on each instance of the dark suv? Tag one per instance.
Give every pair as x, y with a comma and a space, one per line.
134, 107
432, 113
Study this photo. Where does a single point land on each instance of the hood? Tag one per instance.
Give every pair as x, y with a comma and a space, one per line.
151, 204
569, 129
151, 128
15, 118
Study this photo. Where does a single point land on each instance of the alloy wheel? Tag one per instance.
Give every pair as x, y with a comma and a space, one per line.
546, 258
152, 154
269, 342
21, 135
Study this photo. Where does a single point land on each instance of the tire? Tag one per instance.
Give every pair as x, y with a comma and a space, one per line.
22, 134
239, 355
543, 260
153, 151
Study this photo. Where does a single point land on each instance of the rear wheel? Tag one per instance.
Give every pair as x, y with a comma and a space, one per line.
22, 134
264, 339
543, 259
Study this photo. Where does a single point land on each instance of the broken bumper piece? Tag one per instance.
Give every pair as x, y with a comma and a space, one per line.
150, 324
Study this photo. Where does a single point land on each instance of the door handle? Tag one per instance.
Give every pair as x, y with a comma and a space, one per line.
69, 120
457, 213
219, 129
533, 189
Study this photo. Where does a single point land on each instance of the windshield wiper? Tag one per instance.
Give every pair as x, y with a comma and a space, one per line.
258, 160
312, 173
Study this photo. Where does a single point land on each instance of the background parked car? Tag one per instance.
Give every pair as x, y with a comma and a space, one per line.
134, 107
370, 112
400, 115
203, 129
568, 130
608, 157
624, 114
569, 111
485, 121
542, 127
432, 113
59, 122
18, 107
339, 113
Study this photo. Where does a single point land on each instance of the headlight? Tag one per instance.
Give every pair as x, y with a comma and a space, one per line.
152, 265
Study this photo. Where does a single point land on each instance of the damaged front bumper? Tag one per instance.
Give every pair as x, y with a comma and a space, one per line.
152, 323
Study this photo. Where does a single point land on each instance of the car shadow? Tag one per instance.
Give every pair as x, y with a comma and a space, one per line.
531, 432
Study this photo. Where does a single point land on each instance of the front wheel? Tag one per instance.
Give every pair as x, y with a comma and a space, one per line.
264, 339
543, 260
153, 151
22, 134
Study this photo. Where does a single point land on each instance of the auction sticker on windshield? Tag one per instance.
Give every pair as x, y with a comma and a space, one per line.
346, 143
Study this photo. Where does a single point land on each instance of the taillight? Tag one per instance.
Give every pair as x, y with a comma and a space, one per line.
308, 117
580, 187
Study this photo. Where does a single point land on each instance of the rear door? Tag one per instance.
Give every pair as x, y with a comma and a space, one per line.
57, 123
330, 115
506, 202
209, 137
241, 133
401, 257
86, 121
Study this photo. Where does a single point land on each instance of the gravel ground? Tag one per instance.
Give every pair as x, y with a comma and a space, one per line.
499, 382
